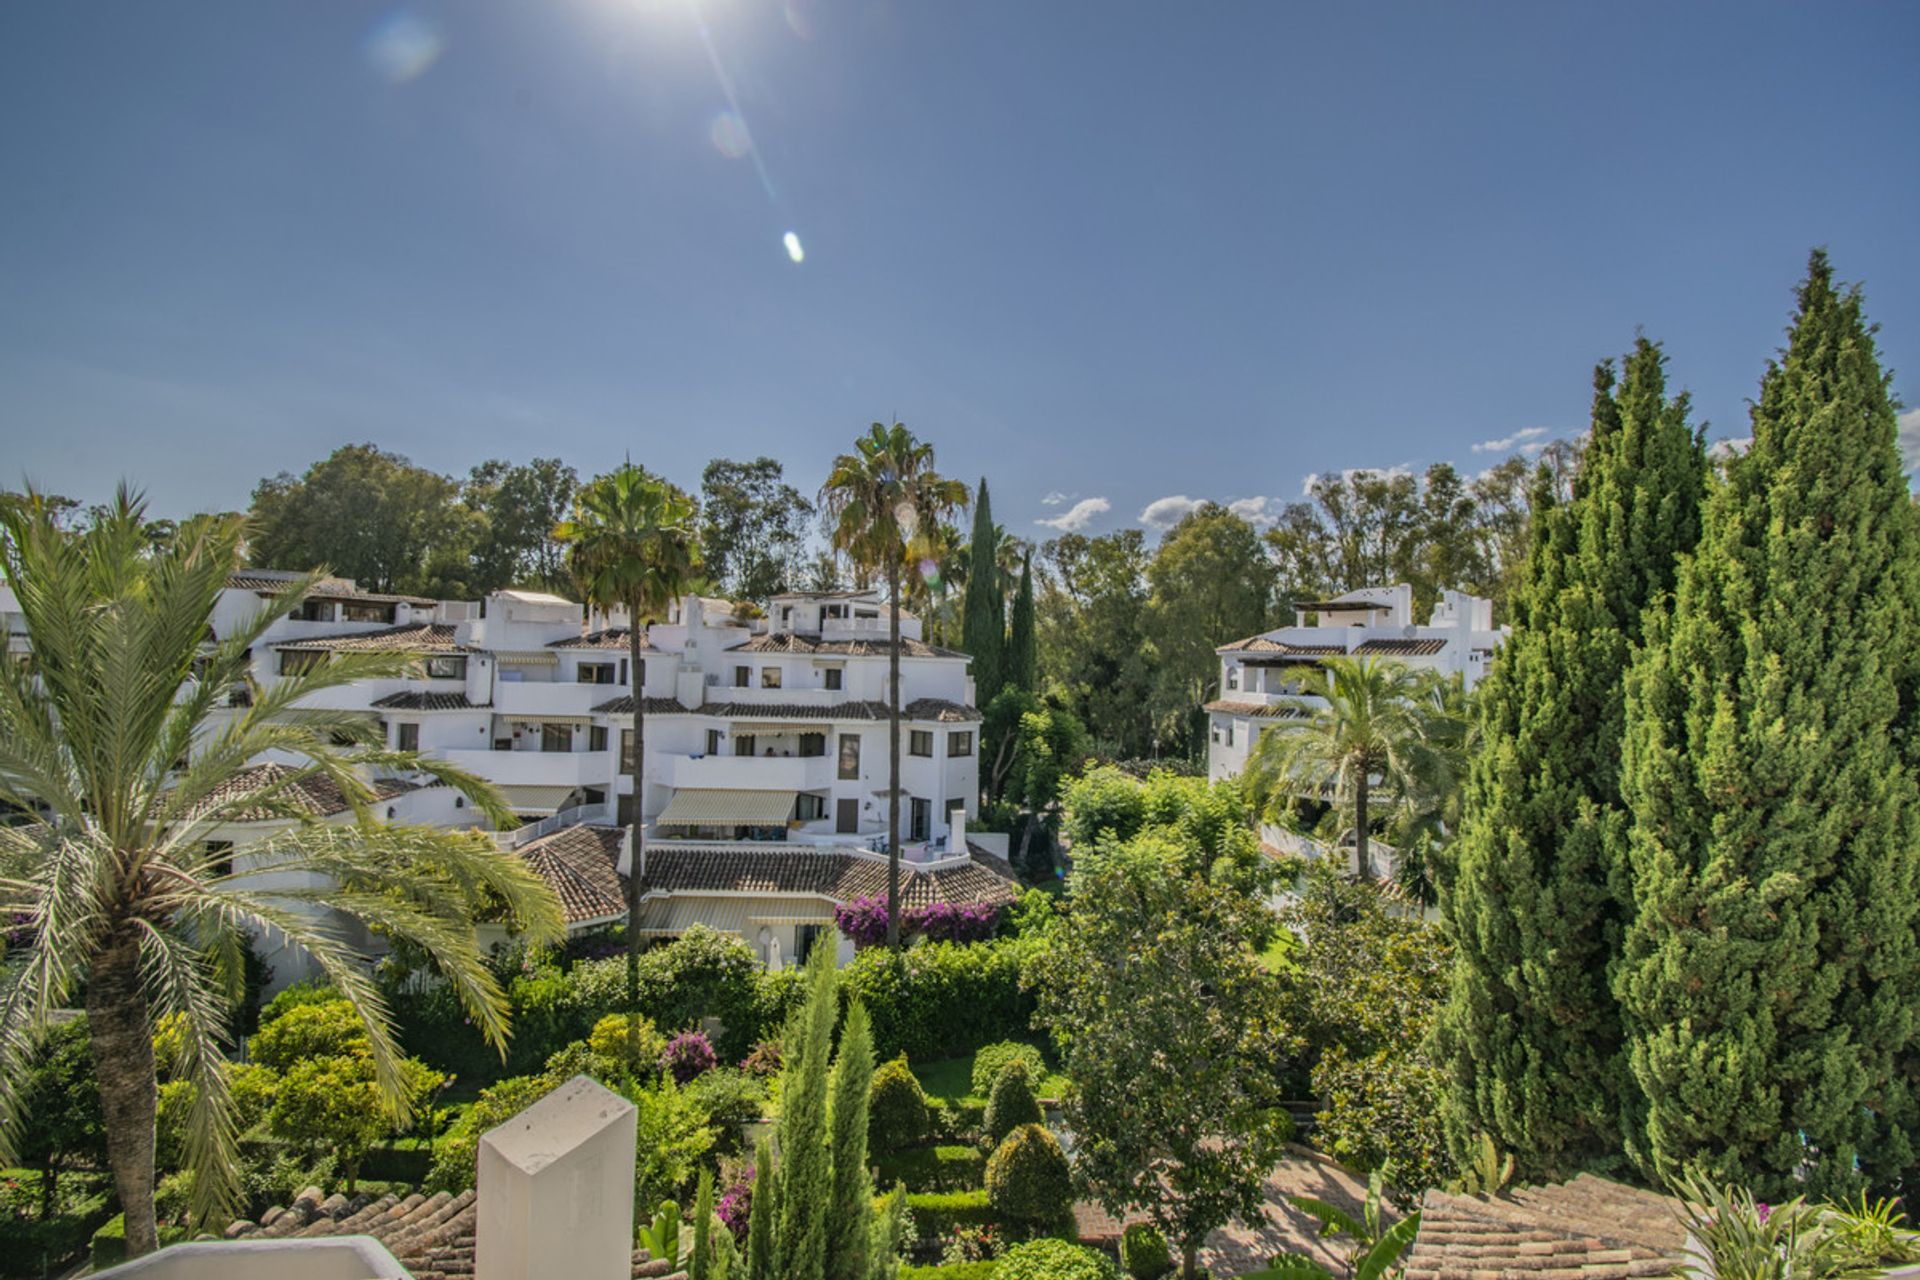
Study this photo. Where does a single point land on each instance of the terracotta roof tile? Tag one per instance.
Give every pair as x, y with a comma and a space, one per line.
790, 642
312, 796
939, 710
434, 637
578, 863
1265, 710
272, 582
1400, 647
614, 638
1586, 1229
827, 874
427, 700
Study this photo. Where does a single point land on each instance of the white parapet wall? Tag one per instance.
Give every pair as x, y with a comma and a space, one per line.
555, 1194
337, 1258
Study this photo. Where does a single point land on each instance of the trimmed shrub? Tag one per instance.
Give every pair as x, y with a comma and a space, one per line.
1012, 1103
1054, 1260
951, 1167
732, 1100
956, 1118
1028, 1181
701, 974
993, 1058
312, 991
937, 1214
1144, 1253
982, 1270
314, 1029
940, 999
896, 1108
608, 1045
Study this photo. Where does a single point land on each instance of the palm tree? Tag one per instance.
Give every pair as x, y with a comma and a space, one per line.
882, 500
108, 731
1360, 725
633, 544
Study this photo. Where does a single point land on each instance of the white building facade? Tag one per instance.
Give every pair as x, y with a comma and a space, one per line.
1459, 639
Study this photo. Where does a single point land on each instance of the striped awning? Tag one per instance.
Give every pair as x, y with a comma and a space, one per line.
531, 799
738, 727
524, 658
671, 917
719, 806
515, 717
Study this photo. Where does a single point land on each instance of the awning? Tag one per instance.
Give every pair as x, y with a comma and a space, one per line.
770, 727
821, 917
515, 717
722, 806
534, 658
671, 917
530, 799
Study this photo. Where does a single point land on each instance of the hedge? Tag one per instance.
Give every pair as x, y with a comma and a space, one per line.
950, 1167
1054, 1260
937, 1213
982, 1270
941, 999
27, 1245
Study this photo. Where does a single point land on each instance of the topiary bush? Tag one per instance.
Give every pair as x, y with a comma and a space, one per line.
1028, 1182
1144, 1253
993, 1058
1012, 1103
1054, 1260
313, 1029
937, 1214
948, 1167
896, 1108
939, 999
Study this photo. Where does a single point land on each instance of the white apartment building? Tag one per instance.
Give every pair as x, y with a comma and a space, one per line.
763, 799
1458, 639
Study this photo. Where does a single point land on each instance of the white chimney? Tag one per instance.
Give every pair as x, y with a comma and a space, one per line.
957, 831
555, 1193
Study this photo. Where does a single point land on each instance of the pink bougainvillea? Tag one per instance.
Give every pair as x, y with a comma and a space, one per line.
862, 919
687, 1055
955, 922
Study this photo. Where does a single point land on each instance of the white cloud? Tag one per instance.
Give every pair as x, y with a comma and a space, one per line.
1526, 440
1164, 513
1910, 438
1258, 512
1730, 447
1056, 498
1314, 477
1078, 516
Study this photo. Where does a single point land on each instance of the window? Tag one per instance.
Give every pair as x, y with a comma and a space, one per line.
556, 737
743, 744
1229, 733
850, 757
833, 675
920, 819
1233, 677
296, 662
362, 611
813, 745
769, 677
713, 742
960, 743
742, 677
596, 737
447, 668
626, 752
595, 673
920, 743
809, 807
408, 736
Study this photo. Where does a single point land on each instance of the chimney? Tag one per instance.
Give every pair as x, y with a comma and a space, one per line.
555, 1192
957, 831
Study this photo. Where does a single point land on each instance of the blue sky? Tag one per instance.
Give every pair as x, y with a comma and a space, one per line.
1112, 252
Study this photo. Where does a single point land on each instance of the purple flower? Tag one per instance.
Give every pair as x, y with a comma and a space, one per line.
735, 1206
687, 1055
956, 922
862, 919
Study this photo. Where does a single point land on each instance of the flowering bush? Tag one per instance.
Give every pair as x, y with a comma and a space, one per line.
955, 922
734, 1208
862, 919
765, 1059
687, 1055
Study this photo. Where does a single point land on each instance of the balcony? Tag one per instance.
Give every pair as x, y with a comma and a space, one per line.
534, 768
543, 698
747, 773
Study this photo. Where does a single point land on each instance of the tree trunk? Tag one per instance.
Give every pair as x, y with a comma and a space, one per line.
1360, 829
1026, 838
893, 753
1190, 1258
49, 1188
122, 1035
637, 868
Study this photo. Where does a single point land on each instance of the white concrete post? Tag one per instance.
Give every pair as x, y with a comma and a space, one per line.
555, 1193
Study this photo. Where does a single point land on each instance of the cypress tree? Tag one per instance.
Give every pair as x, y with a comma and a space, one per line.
700, 1266
983, 632
1771, 973
1537, 903
806, 1162
848, 1229
762, 1212
1022, 642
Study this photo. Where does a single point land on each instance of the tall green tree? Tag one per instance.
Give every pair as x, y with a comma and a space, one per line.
1772, 967
1368, 730
110, 730
632, 544
520, 506
882, 499
848, 1233
1023, 654
1185, 1134
1536, 909
984, 626
1210, 582
753, 525
1093, 647
369, 515
805, 1169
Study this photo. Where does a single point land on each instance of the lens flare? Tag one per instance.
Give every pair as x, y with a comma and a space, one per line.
930, 574
403, 45
729, 136
800, 17
794, 251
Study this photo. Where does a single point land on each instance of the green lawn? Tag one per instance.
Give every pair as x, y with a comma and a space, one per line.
1278, 957
952, 1078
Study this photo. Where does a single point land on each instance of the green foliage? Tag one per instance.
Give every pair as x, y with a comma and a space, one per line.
947, 1167
1488, 1171
671, 1136
1532, 1033
806, 1159
848, 1231
616, 1046
660, 1235
1012, 1103
1188, 1132
1094, 653
984, 629
456, 1153
762, 1213
1023, 655
336, 1105
1054, 1260
700, 1265
731, 1100
1376, 1247
60, 1107
1103, 804
1739, 1239
1208, 823
1143, 1253
896, 1108
754, 526
940, 998
1028, 1183
319, 1029
991, 1059
937, 1213
889, 1236
311, 991
34, 1241
1772, 745
981, 1270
